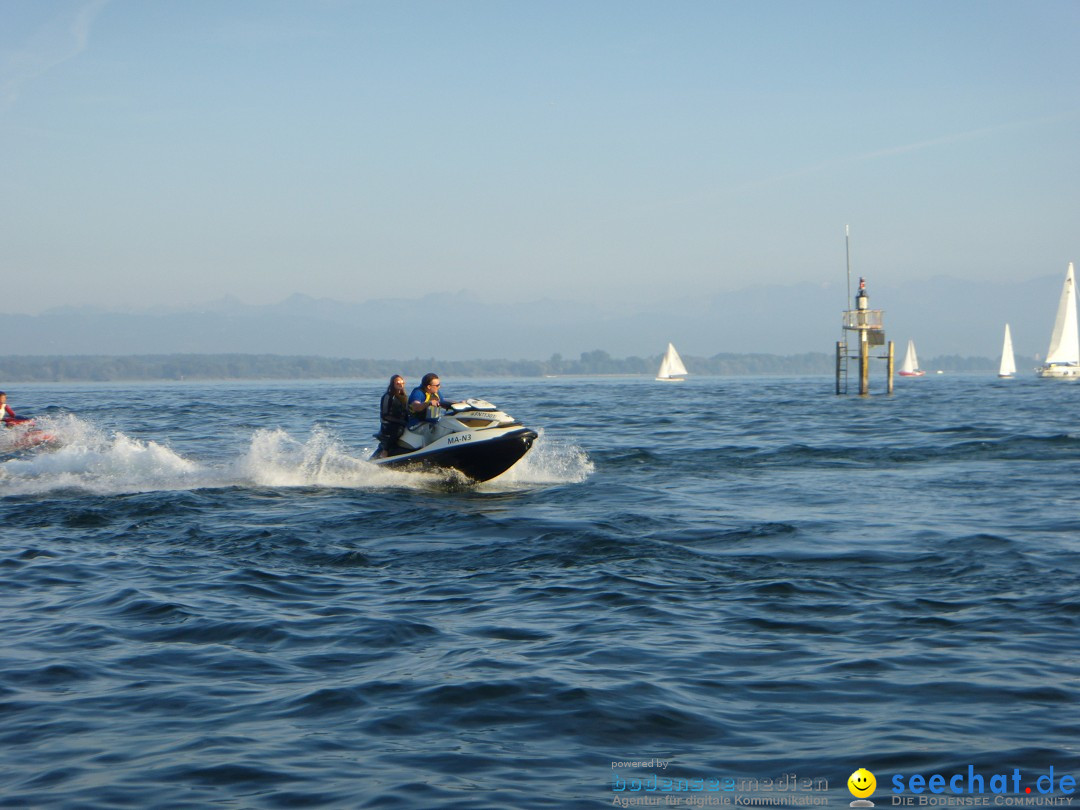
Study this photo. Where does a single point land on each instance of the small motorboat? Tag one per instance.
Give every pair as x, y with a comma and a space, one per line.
473, 437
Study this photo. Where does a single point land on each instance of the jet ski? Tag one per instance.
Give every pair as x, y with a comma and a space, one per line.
21, 435
473, 437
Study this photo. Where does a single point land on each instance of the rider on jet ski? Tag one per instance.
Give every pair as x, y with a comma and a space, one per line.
424, 404
393, 416
8, 417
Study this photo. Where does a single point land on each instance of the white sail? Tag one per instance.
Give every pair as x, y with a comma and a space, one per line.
671, 367
1064, 345
1008, 359
911, 361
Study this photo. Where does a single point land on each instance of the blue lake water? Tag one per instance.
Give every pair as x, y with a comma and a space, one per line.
210, 599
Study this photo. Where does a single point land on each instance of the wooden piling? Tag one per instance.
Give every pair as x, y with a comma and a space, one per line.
890, 363
839, 364
864, 365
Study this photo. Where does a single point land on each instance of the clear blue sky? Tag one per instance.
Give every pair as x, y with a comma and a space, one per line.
176, 152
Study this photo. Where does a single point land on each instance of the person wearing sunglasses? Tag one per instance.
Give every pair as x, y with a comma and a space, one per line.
425, 404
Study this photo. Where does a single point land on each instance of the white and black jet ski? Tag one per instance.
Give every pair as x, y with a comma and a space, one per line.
473, 437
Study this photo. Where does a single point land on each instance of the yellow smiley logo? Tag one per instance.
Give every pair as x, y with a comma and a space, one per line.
861, 783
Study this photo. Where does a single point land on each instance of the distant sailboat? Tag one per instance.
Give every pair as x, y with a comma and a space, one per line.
1008, 359
1063, 358
910, 366
671, 367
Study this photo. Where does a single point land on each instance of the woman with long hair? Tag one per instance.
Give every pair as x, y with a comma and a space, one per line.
393, 415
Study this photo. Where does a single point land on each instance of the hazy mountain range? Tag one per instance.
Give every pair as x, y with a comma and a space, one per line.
944, 316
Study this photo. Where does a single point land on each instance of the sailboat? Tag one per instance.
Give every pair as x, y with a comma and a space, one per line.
671, 367
1063, 357
910, 366
1008, 359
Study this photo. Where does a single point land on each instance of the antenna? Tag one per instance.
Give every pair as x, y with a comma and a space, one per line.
847, 254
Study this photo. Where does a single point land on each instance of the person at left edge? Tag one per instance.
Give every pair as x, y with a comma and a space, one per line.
8, 416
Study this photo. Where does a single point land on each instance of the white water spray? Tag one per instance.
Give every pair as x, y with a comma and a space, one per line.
89, 459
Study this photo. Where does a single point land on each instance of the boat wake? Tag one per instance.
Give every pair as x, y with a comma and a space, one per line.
88, 459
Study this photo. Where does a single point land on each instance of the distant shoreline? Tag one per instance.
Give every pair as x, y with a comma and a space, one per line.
209, 367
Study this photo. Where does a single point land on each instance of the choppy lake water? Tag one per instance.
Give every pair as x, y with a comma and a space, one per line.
210, 599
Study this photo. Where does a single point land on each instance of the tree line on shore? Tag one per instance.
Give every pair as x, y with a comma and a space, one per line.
101, 368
